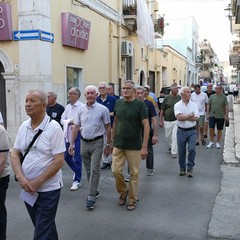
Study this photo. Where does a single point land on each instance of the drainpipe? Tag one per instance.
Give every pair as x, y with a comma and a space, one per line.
110, 51
119, 33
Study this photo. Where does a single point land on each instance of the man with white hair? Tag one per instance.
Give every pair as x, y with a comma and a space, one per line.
39, 175
93, 120
67, 119
187, 114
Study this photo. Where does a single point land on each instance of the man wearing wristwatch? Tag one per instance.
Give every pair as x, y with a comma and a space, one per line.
93, 120
130, 139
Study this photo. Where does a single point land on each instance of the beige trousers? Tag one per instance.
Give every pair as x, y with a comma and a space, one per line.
133, 157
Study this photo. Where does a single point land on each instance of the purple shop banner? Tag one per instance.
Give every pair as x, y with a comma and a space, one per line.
75, 31
5, 22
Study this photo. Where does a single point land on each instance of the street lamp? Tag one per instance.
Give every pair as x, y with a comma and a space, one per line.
229, 15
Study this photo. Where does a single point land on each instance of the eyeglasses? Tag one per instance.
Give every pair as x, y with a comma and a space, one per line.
71, 93
102, 88
126, 88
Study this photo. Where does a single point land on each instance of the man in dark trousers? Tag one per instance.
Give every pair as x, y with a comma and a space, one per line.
54, 110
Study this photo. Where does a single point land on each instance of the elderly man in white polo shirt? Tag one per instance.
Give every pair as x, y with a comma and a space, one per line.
40, 175
93, 119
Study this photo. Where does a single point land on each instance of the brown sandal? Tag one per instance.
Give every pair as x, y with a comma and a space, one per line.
131, 206
123, 198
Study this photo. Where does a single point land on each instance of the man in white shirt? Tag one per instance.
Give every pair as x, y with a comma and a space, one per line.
40, 173
201, 99
67, 119
187, 114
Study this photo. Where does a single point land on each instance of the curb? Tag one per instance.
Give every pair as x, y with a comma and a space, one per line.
224, 223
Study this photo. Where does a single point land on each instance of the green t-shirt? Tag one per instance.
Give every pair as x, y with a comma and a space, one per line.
217, 103
128, 134
168, 107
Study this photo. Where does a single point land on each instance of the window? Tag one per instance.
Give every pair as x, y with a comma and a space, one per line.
74, 78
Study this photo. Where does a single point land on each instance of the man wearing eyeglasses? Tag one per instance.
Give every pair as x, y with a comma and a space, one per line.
107, 101
67, 119
130, 124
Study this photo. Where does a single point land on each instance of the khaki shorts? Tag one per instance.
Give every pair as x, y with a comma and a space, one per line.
200, 121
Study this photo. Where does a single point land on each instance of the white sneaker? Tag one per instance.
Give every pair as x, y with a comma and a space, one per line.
75, 186
218, 145
210, 145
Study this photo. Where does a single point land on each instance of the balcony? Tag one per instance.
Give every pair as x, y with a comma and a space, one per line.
236, 46
198, 61
234, 58
158, 22
130, 14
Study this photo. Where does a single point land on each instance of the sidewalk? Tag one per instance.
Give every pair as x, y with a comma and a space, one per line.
225, 220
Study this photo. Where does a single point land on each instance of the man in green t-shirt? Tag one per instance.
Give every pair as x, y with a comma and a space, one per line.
130, 124
168, 119
217, 113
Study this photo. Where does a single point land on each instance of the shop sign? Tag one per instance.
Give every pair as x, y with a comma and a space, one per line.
75, 31
5, 21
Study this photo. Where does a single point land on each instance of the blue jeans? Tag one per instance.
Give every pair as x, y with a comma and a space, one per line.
43, 215
91, 153
186, 142
3, 212
150, 156
75, 162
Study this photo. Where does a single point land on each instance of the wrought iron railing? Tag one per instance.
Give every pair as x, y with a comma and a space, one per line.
129, 7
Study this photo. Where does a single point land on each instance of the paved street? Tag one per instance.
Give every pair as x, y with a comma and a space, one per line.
170, 206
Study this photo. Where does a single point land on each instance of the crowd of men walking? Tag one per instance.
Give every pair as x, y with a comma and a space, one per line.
107, 129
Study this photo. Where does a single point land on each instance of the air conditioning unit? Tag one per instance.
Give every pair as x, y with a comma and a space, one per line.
127, 49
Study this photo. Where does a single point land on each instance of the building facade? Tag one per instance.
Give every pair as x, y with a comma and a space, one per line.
54, 45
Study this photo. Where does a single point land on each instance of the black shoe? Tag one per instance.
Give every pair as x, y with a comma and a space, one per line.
90, 204
106, 166
182, 172
97, 194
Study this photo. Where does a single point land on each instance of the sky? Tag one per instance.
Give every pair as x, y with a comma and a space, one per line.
209, 16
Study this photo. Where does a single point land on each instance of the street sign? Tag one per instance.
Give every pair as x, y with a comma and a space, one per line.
26, 35
47, 36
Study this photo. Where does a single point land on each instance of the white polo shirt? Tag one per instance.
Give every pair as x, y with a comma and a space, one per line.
49, 143
201, 100
181, 107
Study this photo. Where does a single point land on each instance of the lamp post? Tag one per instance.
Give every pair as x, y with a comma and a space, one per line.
229, 15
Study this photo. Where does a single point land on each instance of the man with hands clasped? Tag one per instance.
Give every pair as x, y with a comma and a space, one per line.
40, 174
187, 114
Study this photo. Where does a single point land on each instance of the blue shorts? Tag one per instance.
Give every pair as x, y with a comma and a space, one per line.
219, 121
